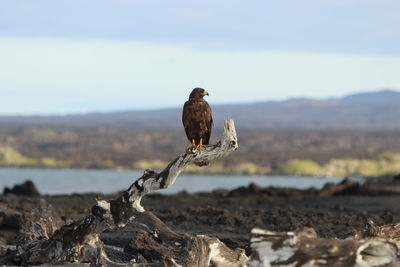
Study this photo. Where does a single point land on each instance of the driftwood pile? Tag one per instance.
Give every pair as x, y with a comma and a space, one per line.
305, 248
46, 241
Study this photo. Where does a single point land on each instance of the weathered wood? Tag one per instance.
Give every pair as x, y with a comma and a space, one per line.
80, 242
390, 231
39, 223
305, 248
156, 241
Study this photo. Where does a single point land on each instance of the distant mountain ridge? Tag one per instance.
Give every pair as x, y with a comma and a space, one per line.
371, 111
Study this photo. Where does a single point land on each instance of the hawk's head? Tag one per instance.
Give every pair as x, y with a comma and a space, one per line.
198, 93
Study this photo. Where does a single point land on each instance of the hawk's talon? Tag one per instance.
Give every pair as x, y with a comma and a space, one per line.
195, 147
200, 147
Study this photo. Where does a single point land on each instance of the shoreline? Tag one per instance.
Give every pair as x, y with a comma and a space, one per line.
275, 174
64, 181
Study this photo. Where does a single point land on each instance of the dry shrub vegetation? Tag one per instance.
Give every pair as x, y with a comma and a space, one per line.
300, 152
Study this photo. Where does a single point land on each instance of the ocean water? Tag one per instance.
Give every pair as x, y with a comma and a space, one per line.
67, 181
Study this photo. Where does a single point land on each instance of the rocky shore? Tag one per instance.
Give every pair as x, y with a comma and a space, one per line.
336, 211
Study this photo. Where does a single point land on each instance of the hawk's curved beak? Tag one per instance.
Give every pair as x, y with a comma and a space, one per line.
205, 93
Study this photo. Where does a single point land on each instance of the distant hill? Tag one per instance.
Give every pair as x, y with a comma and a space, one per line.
374, 111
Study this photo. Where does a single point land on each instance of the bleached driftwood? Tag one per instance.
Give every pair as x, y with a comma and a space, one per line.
305, 248
163, 244
391, 231
80, 242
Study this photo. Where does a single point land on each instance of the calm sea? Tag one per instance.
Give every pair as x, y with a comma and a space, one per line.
66, 181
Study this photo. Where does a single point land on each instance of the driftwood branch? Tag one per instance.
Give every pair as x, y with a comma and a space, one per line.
173, 249
80, 242
152, 181
305, 248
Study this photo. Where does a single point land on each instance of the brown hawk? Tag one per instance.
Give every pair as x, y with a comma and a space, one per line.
197, 119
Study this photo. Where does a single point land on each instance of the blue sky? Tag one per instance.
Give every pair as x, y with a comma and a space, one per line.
94, 55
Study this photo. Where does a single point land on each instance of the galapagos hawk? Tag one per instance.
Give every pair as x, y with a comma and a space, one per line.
197, 119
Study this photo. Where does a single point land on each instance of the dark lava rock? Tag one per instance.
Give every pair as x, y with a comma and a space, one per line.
345, 187
25, 189
10, 218
243, 190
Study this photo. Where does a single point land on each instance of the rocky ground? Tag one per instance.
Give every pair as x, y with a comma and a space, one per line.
336, 211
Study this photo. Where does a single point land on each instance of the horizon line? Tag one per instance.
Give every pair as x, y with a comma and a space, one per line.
294, 98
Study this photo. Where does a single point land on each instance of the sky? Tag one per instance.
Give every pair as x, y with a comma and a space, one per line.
65, 56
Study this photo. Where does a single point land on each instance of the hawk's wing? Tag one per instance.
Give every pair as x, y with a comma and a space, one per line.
208, 121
